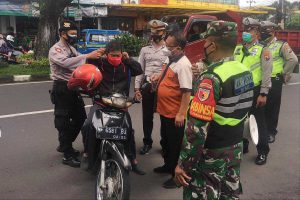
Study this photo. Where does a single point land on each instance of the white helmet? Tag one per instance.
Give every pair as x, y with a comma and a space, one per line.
10, 38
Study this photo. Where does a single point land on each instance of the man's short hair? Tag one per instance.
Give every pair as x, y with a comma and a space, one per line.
179, 38
114, 46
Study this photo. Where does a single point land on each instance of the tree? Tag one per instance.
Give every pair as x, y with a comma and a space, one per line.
50, 11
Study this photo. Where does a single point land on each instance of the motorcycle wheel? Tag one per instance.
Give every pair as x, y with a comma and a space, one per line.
116, 182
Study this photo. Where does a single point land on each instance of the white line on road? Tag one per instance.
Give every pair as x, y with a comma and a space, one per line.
11, 84
30, 113
297, 83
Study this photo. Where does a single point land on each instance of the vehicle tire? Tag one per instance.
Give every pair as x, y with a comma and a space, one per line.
115, 178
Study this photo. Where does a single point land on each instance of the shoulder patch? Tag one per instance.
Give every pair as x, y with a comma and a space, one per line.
287, 48
203, 104
58, 50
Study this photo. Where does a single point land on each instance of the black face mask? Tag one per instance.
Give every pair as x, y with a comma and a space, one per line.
71, 39
265, 36
156, 38
205, 52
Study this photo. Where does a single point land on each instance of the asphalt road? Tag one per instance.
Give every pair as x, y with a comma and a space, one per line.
30, 168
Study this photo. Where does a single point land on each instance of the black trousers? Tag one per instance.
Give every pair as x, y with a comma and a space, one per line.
148, 113
273, 104
259, 114
171, 140
69, 114
91, 144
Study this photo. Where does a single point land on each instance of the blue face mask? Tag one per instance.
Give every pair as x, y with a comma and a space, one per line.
247, 37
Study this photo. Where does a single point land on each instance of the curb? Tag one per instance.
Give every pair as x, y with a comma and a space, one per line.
24, 78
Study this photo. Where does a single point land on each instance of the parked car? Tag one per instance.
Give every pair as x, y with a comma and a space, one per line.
92, 39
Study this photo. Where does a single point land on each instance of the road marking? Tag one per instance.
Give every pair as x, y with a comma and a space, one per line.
30, 113
297, 83
35, 82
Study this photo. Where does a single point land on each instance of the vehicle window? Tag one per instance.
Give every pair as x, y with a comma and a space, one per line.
98, 38
82, 37
179, 20
112, 37
195, 30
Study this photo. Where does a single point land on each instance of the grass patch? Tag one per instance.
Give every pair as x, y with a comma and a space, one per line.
23, 69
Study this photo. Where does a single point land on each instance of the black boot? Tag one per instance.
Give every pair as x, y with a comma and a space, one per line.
137, 170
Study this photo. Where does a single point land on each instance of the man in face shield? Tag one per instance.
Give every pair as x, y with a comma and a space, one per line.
284, 61
151, 59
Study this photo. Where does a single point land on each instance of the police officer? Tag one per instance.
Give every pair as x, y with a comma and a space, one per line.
209, 163
258, 59
69, 112
151, 59
284, 61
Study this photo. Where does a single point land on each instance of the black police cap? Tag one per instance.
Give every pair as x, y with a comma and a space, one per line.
67, 25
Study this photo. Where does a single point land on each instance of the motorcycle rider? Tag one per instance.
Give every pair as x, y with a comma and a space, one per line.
117, 68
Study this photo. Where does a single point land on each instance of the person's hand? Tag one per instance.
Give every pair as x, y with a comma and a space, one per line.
154, 78
94, 54
195, 70
125, 55
261, 101
286, 78
198, 68
181, 178
137, 95
179, 120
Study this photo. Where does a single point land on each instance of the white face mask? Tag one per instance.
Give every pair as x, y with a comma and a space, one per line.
166, 52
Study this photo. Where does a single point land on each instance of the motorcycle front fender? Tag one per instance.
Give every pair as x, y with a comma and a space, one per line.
109, 147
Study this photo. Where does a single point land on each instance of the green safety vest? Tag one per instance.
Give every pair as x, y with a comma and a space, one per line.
252, 61
278, 61
236, 96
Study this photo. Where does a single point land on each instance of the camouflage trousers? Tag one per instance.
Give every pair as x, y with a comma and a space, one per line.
218, 177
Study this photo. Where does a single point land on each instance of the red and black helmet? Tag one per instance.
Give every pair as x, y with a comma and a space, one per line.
85, 77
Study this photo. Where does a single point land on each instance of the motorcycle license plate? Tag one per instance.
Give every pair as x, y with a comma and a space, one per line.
111, 133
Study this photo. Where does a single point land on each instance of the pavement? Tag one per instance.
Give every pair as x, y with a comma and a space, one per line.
30, 167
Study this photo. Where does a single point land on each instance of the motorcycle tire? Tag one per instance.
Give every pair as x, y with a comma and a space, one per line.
112, 165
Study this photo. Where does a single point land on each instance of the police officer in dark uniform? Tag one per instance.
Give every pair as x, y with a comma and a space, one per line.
69, 109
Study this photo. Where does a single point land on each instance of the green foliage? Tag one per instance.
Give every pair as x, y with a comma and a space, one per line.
27, 66
131, 44
293, 22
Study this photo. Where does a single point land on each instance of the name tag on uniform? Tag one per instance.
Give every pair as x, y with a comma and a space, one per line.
254, 52
243, 84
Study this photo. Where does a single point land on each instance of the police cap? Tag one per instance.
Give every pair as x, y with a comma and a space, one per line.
67, 25
249, 23
268, 25
157, 25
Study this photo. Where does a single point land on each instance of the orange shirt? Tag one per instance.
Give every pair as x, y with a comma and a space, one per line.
178, 79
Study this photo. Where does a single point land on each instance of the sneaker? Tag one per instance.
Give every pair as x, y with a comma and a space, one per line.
162, 170
261, 159
170, 184
71, 161
137, 170
145, 150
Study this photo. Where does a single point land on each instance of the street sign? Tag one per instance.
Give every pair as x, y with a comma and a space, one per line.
77, 14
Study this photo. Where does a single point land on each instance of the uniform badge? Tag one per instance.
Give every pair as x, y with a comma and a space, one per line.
203, 94
58, 50
267, 55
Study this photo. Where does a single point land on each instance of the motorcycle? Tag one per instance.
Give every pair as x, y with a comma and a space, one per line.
113, 129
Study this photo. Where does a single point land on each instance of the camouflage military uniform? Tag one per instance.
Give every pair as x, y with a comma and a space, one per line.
215, 172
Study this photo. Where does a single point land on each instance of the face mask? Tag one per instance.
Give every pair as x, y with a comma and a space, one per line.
247, 37
114, 61
71, 39
156, 38
205, 51
265, 36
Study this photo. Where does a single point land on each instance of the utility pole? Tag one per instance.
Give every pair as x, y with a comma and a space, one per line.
282, 15
250, 2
